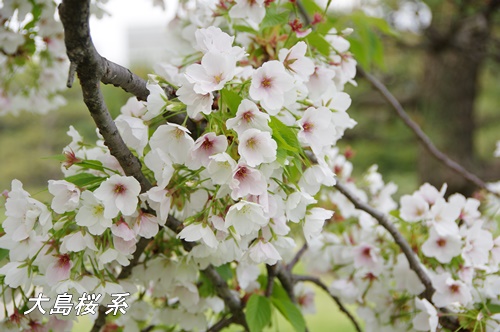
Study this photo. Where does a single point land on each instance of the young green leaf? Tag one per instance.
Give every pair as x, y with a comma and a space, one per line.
258, 312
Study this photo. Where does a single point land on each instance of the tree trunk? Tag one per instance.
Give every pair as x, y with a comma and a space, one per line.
448, 93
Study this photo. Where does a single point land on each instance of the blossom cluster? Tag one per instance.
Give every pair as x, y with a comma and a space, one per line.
250, 184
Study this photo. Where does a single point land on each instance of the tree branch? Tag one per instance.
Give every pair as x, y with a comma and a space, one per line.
297, 257
91, 69
224, 322
421, 136
446, 321
339, 303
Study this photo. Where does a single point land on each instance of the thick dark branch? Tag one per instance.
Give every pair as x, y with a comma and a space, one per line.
339, 303
125, 79
91, 69
271, 274
447, 321
231, 300
421, 136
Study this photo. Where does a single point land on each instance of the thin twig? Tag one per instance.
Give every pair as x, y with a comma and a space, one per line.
446, 321
297, 257
421, 136
339, 303
224, 322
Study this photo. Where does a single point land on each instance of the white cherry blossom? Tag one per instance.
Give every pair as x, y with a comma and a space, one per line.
257, 147
269, 85
119, 194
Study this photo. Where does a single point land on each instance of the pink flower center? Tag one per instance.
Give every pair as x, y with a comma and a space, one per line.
207, 144
120, 188
63, 261
441, 242
247, 116
366, 252
455, 288
241, 173
266, 82
308, 127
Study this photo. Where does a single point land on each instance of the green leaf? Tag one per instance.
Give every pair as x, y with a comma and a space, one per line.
258, 312
319, 42
284, 135
274, 17
244, 28
493, 308
4, 253
84, 179
206, 287
285, 306
312, 7
231, 99
225, 271
91, 164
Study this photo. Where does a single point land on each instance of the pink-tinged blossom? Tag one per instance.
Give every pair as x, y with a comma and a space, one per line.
156, 102
443, 217
133, 131
450, 291
442, 247
253, 10
174, 140
76, 242
213, 39
315, 176
215, 70
314, 221
319, 82
248, 116
246, 217
123, 230
91, 214
220, 168
367, 258
66, 196
263, 252
478, 243
305, 298
146, 225
316, 129
296, 205
15, 275
59, 270
199, 231
134, 108
269, 85
429, 193
247, 181
257, 147
204, 147
413, 208
119, 194
161, 165
469, 208
406, 279
296, 62
195, 103
427, 319
24, 214
160, 200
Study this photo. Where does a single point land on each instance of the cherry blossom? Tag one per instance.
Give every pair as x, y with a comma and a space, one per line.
119, 194
66, 196
257, 147
269, 85
248, 116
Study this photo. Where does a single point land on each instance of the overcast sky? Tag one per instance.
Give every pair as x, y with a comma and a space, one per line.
109, 33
